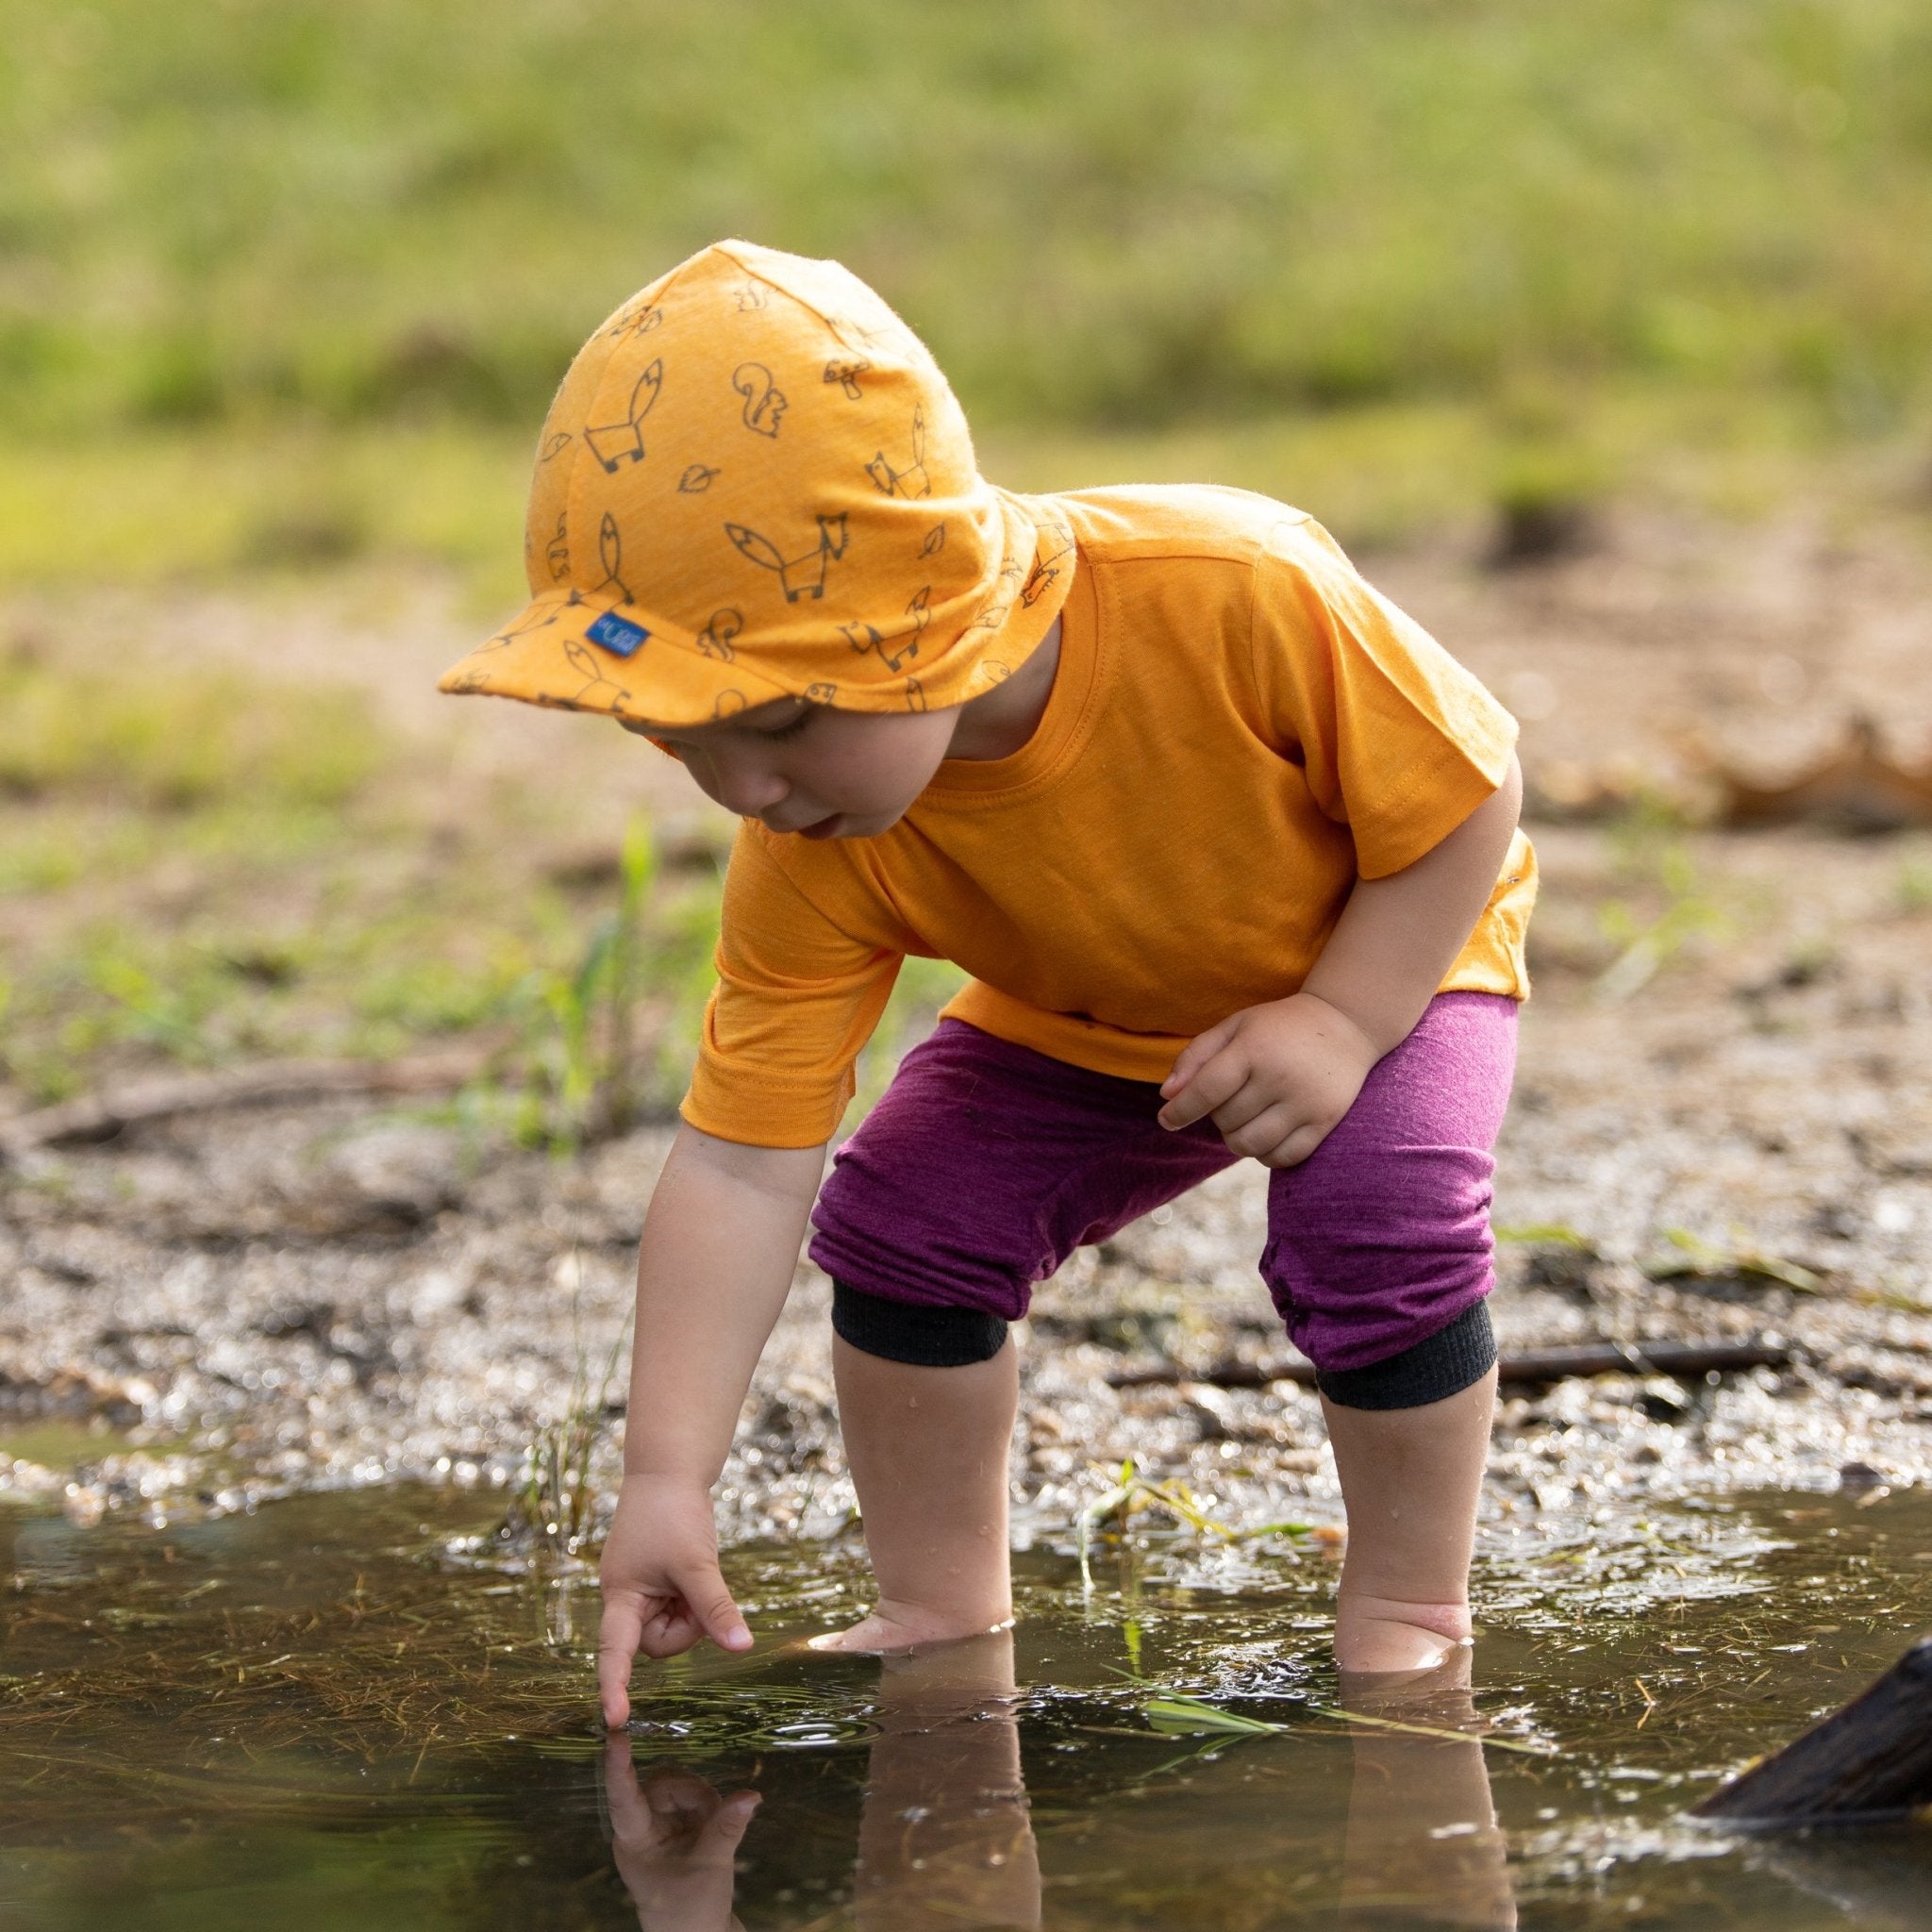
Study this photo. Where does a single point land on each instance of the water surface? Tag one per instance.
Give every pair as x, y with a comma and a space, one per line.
344, 1711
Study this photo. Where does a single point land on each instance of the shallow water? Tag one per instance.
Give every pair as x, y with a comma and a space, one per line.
342, 1710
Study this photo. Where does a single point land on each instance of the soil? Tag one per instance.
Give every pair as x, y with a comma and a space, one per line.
1722, 1129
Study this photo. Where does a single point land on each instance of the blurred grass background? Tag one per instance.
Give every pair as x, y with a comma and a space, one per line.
285, 287
328, 259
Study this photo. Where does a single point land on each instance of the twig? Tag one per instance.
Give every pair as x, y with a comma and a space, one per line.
1531, 1366
273, 1083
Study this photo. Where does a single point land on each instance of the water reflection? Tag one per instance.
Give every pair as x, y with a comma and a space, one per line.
1423, 1843
674, 1839
945, 1832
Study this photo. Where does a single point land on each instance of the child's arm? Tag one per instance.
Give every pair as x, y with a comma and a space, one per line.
1278, 1077
720, 1244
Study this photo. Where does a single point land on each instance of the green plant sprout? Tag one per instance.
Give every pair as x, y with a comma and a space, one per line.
1645, 945
1131, 1491
1552, 1234
553, 1503
585, 1049
1699, 1259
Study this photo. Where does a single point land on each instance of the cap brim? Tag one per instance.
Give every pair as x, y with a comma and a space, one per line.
576, 653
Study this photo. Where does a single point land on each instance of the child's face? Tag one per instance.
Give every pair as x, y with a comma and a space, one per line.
809, 769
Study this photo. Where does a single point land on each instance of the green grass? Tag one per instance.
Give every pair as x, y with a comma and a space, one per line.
216, 504
198, 869
154, 738
1120, 216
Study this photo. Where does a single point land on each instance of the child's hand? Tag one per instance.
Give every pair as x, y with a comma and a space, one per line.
1276, 1078
663, 1587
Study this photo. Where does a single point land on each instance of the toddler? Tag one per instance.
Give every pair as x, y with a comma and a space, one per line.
1227, 843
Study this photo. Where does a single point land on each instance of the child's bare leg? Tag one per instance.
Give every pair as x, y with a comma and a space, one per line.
928, 1449
1411, 1479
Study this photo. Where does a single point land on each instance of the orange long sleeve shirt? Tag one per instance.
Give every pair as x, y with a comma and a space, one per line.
1240, 728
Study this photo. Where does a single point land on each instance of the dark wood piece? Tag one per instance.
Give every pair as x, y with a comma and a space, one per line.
273, 1083
1869, 1761
1531, 1367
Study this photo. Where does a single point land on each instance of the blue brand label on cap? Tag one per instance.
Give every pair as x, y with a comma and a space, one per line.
619, 637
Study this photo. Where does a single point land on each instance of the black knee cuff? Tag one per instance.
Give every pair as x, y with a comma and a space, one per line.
928, 1338
1444, 1364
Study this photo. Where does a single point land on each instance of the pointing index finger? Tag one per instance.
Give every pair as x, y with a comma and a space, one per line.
618, 1636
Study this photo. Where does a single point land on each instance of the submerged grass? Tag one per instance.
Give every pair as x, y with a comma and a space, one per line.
1176, 1715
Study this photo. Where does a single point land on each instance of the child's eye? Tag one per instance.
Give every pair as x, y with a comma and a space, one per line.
793, 728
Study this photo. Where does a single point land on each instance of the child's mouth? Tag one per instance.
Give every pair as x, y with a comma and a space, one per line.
825, 829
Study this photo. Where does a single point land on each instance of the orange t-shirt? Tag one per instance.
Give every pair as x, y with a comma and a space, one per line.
1239, 728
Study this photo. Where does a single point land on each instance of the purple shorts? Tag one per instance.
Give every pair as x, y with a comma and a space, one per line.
985, 1164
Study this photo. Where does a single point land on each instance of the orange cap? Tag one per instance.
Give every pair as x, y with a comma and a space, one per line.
755, 483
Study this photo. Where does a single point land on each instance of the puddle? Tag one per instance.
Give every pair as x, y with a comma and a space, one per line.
337, 1712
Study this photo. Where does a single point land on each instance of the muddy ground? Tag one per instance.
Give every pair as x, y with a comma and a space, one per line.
1722, 1129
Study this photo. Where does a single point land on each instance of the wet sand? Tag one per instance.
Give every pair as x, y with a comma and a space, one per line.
1725, 1095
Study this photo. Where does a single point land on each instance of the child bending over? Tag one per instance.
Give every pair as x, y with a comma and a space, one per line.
1227, 843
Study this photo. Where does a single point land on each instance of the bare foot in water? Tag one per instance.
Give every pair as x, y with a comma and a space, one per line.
904, 1628
1377, 1635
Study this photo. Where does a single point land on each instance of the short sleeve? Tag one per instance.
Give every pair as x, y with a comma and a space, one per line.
1396, 740
797, 998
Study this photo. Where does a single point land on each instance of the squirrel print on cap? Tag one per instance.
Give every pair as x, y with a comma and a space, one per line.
623, 442
714, 641
797, 574
765, 403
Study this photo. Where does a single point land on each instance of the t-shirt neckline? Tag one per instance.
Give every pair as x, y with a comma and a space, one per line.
1059, 724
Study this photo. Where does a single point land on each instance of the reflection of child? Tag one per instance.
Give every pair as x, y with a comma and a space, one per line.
1227, 843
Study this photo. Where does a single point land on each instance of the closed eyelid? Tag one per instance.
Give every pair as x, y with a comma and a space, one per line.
711, 734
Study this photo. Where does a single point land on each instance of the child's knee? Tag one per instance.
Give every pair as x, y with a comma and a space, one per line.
927, 1335
1432, 1370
